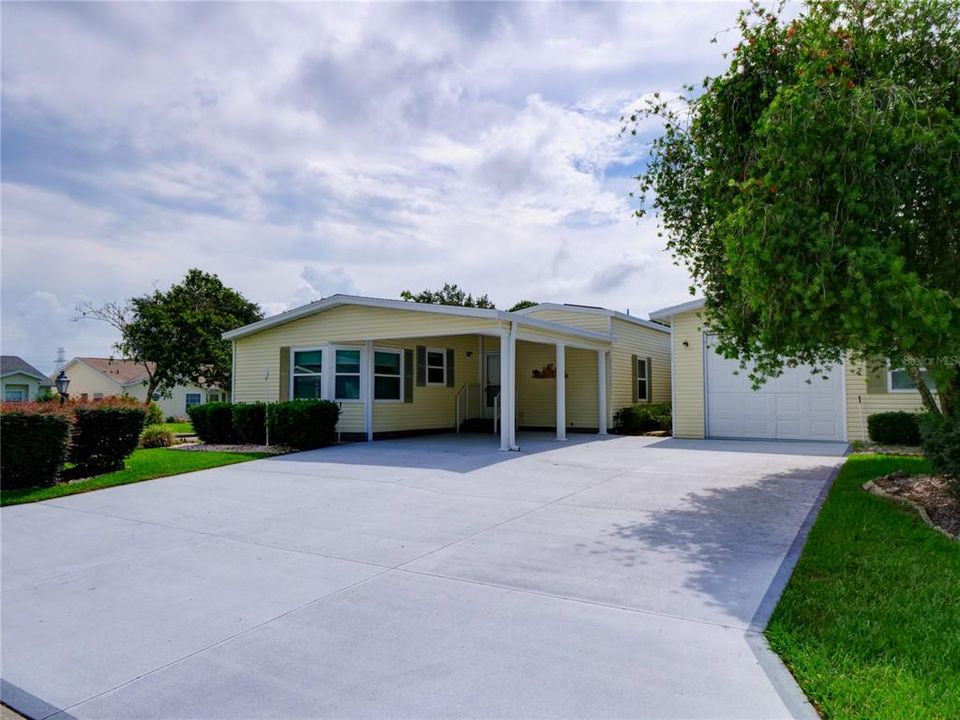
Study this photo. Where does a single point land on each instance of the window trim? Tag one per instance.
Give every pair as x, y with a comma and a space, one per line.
899, 391
645, 379
333, 375
373, 384
426, 359
186, 400
323, 369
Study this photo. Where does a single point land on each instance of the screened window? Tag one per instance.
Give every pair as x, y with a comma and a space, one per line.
192, 399
387, 381
436, 367
347, 375
307, 374
643, 379
900, 381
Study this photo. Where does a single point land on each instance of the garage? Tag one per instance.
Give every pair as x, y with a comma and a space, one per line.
798, 405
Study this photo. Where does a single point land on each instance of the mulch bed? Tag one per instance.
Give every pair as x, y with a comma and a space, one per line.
209, 447
931, 495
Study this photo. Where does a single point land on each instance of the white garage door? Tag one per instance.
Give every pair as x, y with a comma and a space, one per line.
785, 408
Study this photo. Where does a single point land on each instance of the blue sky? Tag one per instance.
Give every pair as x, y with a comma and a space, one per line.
303, 150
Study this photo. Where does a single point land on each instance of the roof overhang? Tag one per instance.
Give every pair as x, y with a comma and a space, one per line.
549, 328
668, 312
584, 310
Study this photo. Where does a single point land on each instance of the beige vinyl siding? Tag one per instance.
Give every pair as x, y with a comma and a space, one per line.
536, 397
588, 321
84, 379
861, 404
633, 339
257, 371
688, 391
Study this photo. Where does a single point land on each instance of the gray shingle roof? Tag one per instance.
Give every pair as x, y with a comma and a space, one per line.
10, 364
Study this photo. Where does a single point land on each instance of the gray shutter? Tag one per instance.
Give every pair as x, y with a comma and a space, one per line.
649, 379
633, 375
284, 374
408, 375
876, 377
421, 366
451, 376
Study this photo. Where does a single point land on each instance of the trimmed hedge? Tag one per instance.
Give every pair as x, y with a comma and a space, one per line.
941, 445
35, 446
213, 422
250, 422
638, 419
894, 428
303, 424
104, 435
156, 437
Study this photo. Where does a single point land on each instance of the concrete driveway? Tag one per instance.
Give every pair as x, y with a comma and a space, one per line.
429, 577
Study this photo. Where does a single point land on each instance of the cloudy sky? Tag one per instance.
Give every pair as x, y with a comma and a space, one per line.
303, 150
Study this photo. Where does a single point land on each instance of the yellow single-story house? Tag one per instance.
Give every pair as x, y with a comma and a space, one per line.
21, 381
711, 398
95, 378
399, 367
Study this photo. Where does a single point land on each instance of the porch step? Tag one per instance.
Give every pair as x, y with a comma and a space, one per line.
477, 425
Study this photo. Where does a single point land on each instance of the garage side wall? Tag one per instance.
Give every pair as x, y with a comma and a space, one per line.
864, 399
688, 391
636, 340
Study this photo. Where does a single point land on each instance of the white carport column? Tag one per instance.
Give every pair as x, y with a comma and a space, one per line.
602, 392
366, 388
512, 374
504, 391
561, 366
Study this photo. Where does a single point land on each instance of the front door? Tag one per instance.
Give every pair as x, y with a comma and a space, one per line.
491, 382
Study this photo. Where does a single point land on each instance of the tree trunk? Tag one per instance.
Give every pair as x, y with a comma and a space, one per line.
151, 389
929, 401
949, 394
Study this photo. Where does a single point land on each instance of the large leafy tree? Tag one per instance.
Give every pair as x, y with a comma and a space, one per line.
813, 189
448, 295
176, 334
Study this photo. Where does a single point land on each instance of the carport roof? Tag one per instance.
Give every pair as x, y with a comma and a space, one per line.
357, 300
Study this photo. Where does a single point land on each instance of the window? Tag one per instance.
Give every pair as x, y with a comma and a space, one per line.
436, 367
899, 381
387, 375
13, 394
643, 379
347, 375
214, 397
98, 396
192, 399
307, 374
156, 396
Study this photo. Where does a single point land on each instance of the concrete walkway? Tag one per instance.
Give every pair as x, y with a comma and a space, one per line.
430, 577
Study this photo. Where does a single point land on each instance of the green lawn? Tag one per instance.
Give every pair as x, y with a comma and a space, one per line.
141, 465
178, 428
870, 621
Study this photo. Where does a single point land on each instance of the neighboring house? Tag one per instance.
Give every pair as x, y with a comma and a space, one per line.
712, 398
93, 378
399, 367
21, 381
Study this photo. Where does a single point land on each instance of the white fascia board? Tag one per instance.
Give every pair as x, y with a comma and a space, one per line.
605, 312
668, 312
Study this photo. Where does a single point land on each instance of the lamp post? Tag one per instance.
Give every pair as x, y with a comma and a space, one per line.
62, 382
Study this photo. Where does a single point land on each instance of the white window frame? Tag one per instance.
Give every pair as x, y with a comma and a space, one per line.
9, 390
334, 374
426, 359
373, 386
322, 373
645, 378
186, 400
913, 389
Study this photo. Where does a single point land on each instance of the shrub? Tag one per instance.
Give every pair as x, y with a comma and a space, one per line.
638, 419
213, 422
250, 422
156, 437
36, 439
154, 414
104, 434
303, 424
941, 445
894, 428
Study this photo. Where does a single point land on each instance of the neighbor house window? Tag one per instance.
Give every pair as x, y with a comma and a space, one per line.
307, 374
98, 396
13, 395
387, 382
898, 380
436, 367
347, 375
156, 396
192, 399
643, 379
